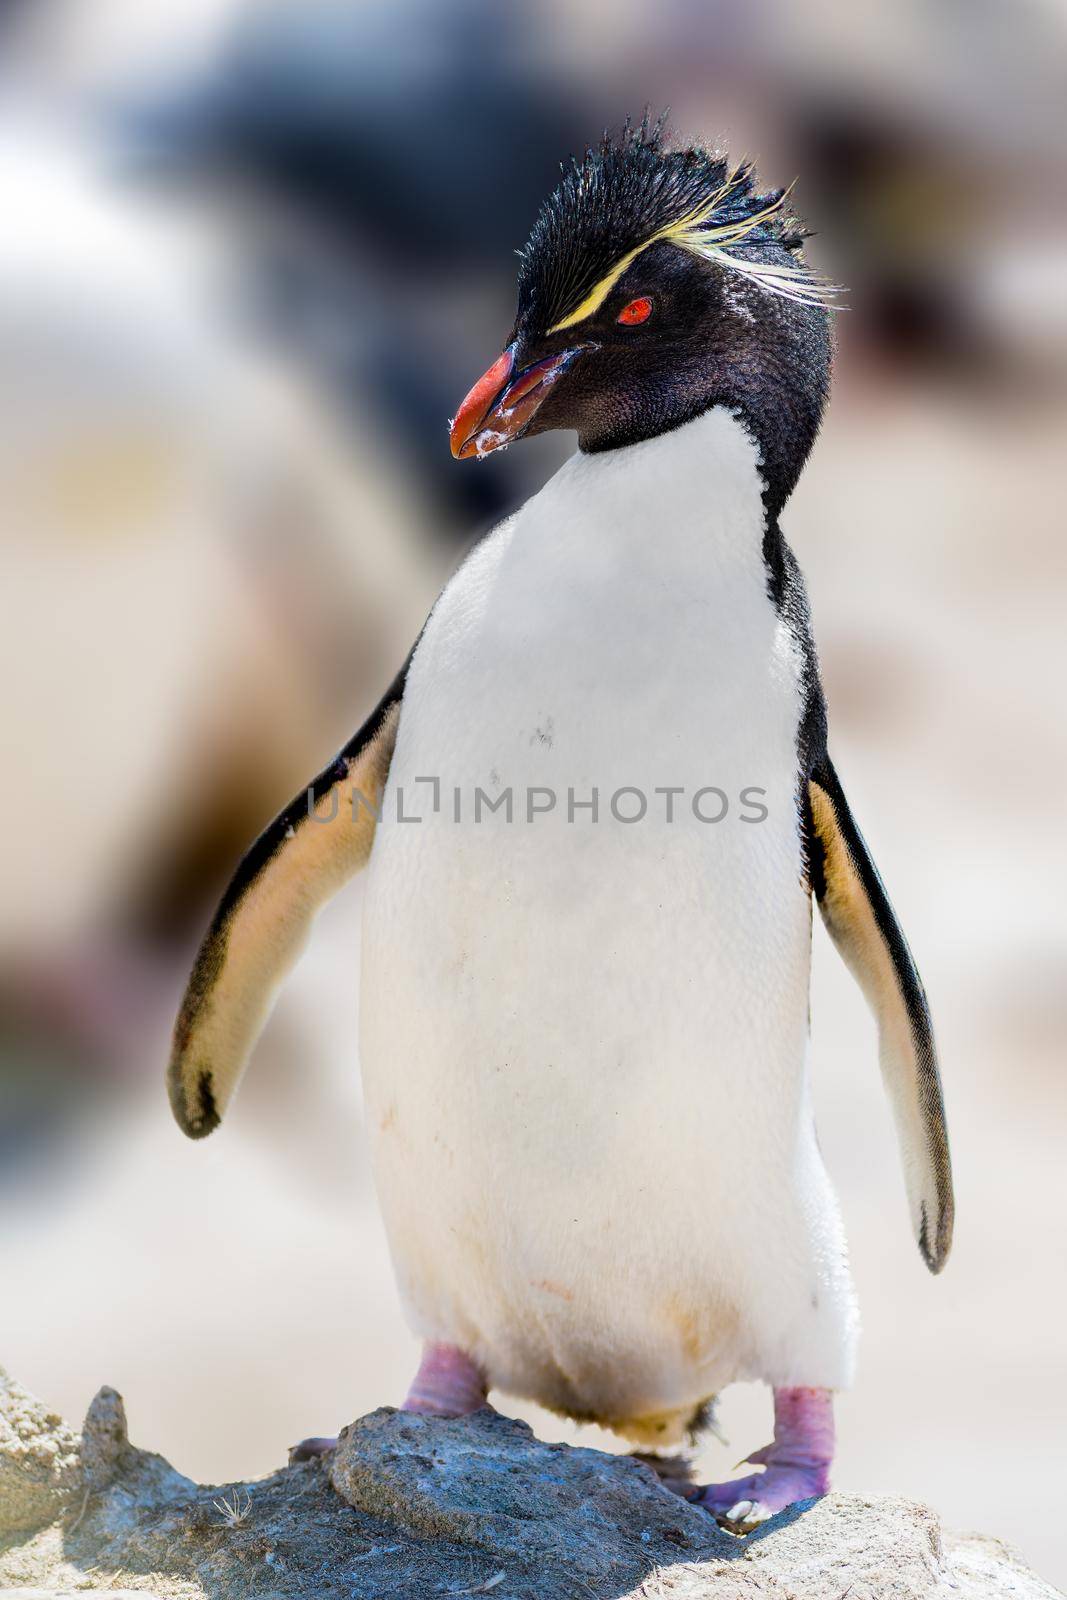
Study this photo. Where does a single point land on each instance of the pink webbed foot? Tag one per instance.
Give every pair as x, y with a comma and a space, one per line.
447, 1384
795, 1467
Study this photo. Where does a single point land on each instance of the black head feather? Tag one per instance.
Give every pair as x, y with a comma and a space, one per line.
732, 316
615, 199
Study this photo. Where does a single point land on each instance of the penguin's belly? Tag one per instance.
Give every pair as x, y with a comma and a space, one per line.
583, 1036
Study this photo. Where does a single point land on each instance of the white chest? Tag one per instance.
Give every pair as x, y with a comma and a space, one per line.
617, 632
555, 997
596, 759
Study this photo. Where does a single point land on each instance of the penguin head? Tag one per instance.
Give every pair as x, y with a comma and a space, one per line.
657, 284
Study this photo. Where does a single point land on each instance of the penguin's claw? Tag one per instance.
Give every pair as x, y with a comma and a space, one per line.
746, 1502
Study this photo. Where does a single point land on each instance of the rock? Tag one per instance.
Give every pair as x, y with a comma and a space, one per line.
104, 1441
39, 1466
75, 1594
411, 1507
486, 1482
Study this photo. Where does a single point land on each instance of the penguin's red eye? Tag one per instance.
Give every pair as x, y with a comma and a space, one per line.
637, 311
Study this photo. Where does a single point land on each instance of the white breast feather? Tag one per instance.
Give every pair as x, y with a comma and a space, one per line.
584, 1044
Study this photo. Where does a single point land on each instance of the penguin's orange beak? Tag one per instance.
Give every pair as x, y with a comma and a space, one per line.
502, 403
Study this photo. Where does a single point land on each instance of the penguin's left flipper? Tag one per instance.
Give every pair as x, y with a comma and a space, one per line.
863, 926
298, 863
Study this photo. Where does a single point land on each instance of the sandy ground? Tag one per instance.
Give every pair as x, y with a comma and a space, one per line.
239, 1292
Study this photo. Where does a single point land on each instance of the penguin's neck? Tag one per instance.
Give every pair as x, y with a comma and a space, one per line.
687, 502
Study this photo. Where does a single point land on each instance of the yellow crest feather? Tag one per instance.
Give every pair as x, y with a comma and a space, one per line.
696, 233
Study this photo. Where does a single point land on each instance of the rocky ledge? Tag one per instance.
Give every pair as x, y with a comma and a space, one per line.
415, 1507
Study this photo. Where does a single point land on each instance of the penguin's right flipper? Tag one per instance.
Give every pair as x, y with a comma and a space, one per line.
298, 863
863, 926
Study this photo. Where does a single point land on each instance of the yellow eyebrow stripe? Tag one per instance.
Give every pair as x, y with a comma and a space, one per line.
685, 233
599, 293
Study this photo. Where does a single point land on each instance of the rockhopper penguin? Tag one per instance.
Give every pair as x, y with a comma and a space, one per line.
594, 806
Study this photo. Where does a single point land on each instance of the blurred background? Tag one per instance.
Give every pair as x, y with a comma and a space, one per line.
252, 255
